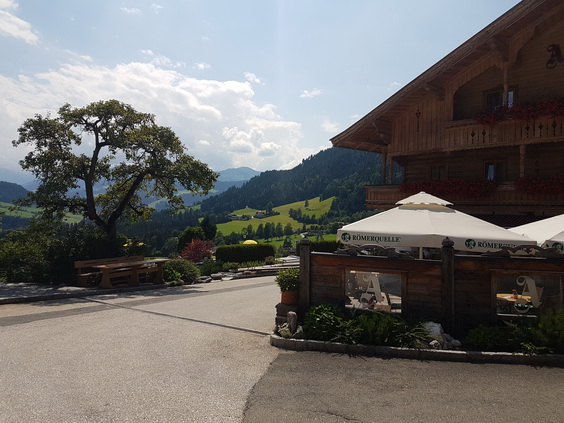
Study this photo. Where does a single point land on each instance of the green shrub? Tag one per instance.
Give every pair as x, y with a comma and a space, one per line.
329, 323
23, 262
241, 253
209, 267
171, 275
322, 322
488, 338
24, 255
551, 325
391, 330
545, 334
348, 332
270, 260
187, 270
376, 328
230, 266
408, 334
247, 264
288, 279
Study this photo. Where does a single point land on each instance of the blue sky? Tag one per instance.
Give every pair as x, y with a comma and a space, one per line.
258, 83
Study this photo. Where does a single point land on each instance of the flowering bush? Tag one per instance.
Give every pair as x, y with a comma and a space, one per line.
536, 185
528, 112
554, 107
134, 248
451, 188
492, 116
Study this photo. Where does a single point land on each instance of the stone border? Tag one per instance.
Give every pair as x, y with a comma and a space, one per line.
477, 357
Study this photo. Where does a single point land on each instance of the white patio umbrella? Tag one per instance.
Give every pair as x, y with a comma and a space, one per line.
424, 220
547, 232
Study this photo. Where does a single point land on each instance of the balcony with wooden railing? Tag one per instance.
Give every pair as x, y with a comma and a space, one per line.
505, 199
468, 133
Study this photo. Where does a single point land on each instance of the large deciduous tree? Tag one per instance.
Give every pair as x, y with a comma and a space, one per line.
111, 144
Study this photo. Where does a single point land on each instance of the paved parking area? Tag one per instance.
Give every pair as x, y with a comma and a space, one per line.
335, 388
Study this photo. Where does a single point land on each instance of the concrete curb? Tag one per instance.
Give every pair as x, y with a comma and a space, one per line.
78, 293
477, 357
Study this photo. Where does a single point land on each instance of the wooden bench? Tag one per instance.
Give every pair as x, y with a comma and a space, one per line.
89, 274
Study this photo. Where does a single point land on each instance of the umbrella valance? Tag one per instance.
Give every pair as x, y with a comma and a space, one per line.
427, 224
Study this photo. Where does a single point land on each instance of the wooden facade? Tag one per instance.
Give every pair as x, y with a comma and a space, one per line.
430, 130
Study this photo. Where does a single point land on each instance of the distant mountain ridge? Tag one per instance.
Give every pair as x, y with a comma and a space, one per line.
233, 177
9, 192
335, 172
237, 174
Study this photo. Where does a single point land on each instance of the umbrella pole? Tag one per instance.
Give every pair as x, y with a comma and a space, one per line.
420, 253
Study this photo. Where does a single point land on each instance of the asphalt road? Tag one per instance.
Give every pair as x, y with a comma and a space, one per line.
330, 388
201, 354
179, 355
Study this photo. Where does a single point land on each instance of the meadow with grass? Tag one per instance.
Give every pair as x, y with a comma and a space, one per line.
314, 206
8, 209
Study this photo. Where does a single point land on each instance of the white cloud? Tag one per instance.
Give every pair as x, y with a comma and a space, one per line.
252, 78
394, 86
330, 127
132, 11
310, 94
77, 58
254, 134
269, 149
201, 66
14, 27
8, 4
162, 61
156, 8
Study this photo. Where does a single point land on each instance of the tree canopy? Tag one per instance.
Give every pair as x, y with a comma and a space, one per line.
109, 144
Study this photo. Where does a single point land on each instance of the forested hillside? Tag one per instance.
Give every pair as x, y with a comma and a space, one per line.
333, 172
9, 192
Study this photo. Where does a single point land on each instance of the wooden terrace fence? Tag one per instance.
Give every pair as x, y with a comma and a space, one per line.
459, 291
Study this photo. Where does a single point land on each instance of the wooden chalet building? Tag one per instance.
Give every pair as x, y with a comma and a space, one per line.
483, 127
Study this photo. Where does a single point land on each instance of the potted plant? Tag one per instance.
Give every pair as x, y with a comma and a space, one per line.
288, 280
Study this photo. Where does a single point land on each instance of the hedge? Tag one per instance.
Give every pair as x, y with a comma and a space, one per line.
242, 253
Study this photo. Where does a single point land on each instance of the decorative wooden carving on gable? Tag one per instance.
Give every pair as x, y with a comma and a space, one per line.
372, 250
526, 251
555, 56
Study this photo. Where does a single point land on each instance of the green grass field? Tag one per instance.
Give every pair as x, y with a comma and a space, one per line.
9, 209
319, 208
315, 207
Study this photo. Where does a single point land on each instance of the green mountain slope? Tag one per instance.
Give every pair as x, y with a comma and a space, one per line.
9, 192
334, 172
